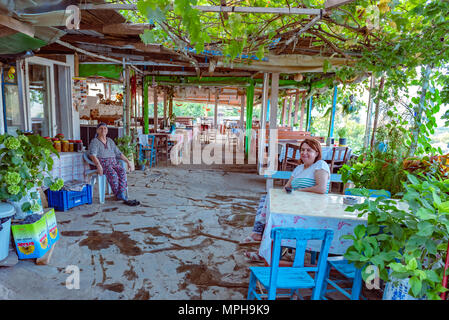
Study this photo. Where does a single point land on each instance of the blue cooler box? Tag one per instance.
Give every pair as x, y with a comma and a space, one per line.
64, 200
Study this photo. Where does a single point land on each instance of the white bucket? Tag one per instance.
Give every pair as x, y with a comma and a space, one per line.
6, 213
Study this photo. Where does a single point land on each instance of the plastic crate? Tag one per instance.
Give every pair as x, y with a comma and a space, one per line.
64, 200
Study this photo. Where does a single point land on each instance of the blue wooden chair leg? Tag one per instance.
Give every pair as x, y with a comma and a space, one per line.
251, 287
324, 288
357, 285
313, 257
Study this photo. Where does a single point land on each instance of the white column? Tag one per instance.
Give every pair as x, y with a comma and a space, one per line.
242, 112
272, 141
216, 110
263, 118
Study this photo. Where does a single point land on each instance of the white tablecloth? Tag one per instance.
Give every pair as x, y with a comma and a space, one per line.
308, 210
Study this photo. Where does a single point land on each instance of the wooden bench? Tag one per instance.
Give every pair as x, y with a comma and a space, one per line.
285, 175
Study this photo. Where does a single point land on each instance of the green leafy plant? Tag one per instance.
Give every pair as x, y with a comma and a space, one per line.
172, 118
26, 164
342, 132
126, 146
142, 162
407, 238
382, 167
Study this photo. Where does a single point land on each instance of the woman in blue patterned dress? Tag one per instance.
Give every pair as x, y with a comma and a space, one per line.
312, 175
104, 153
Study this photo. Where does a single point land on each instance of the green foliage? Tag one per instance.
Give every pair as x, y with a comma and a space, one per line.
406, 239
342, 132
394, 39
382, 167
142, 162
126, 146
25, 163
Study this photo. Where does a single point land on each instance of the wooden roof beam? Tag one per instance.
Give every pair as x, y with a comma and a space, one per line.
16, 25
127, 28
330, 4
262, 10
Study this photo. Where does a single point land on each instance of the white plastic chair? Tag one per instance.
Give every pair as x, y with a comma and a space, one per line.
102, 181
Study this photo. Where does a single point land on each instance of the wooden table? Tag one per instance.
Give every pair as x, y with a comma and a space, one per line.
309, 210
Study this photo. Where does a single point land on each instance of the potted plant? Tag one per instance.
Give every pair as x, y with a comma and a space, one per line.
172, 120
25, 166
142, 164
407, 240
342, 132
127, 147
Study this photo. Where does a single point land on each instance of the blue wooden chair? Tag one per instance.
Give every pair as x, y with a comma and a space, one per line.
148, 147
297, 276
348, 270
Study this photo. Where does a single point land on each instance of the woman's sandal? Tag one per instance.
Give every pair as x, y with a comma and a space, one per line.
249, 240
254, 257
132, 203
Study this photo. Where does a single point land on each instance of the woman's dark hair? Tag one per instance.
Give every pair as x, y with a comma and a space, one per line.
102, 124
315, 145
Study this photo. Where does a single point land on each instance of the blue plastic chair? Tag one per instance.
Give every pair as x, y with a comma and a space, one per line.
297, 276
148, 147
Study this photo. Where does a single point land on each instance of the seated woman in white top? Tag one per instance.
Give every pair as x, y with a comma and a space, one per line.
312, 175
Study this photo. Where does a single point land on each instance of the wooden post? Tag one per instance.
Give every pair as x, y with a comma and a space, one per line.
368, 113
165, 107
263, 117
303, 106
284, 101
332, 119
216, 109
145, 106
309, 114
376, 112
272, 141
77, 65
155, 120
289, 111
170, 106
125, 99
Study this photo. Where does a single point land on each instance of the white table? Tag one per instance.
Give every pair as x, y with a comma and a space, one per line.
301, 209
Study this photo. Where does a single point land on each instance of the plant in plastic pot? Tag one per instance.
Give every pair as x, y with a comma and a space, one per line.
405, 239
142, 164
25, 166
342, 133
128, 148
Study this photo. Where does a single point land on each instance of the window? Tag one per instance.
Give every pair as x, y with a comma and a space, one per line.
39, 91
